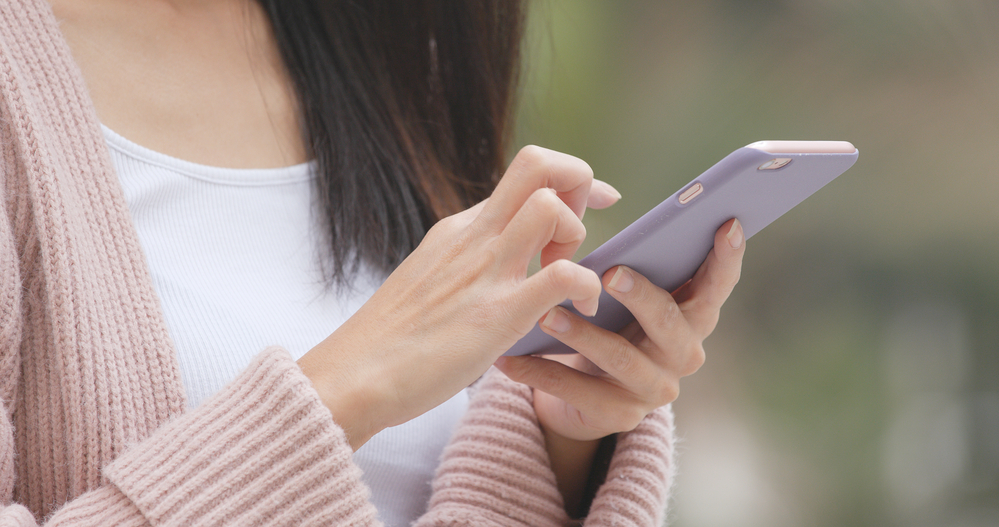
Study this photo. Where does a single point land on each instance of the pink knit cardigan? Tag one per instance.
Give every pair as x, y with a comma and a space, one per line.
94, 428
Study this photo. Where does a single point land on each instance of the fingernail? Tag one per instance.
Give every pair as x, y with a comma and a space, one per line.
734, 235
602, 195
557, 320
588, 307
622, 281
607, 189
500, 362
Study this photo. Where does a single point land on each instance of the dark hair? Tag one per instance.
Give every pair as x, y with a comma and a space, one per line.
406, 106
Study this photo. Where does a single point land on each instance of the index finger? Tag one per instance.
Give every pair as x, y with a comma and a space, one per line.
534, 168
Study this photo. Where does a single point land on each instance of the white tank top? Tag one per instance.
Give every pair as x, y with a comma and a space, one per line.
233, 255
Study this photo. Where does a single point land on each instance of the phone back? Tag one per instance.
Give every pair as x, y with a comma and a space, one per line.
670, 242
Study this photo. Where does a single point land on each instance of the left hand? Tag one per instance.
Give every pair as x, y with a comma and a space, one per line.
619, 378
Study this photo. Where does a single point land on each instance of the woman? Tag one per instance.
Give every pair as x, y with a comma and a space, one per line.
141, 284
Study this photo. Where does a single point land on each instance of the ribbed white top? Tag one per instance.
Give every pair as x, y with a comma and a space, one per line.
233, 258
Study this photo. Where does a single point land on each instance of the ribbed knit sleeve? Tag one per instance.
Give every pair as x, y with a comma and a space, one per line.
263, 451
104, 506
637, 489
496, 470
10, 333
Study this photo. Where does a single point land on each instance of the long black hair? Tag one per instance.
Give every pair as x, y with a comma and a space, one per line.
406, 106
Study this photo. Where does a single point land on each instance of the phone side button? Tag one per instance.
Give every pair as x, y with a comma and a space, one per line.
688, 195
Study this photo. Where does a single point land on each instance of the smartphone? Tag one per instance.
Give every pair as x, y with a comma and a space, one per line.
756, 184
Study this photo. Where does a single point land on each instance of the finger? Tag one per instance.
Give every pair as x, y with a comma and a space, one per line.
556, 282
543, 224
669, 340
533, 168
701, 298
590, 395
602, 195
654, 309
609, 351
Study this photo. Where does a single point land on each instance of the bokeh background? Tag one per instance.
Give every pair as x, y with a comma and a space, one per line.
854, 378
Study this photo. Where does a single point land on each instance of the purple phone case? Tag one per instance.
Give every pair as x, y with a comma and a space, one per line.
670, 242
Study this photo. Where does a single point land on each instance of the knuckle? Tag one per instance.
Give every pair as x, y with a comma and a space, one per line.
444, 225
560, 274
531, 152
696, 359
669, 314
533, 158
621, 359
666, 393
569, 230
734, 280
449, 226
564, 277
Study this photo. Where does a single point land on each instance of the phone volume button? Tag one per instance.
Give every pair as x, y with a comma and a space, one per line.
688, 195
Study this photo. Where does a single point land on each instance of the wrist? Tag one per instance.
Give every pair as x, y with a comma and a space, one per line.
352, 402
572, 462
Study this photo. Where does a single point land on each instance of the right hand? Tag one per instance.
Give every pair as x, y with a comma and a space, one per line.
462, 298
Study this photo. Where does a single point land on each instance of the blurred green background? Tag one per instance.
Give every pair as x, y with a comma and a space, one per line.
854, 377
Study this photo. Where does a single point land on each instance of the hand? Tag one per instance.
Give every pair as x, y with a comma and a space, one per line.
462, 297
618, 379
